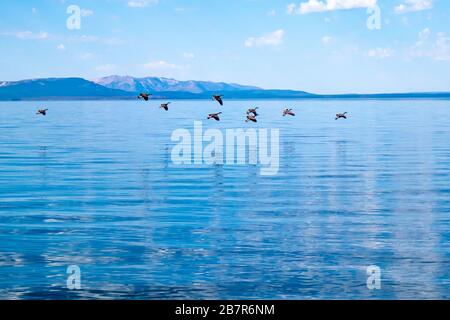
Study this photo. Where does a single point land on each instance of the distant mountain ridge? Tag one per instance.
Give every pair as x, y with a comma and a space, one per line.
120, 88
126, 88
57, 88
156, 84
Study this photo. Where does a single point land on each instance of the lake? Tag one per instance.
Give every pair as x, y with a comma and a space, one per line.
92, 184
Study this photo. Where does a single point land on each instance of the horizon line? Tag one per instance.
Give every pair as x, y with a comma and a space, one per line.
2, 84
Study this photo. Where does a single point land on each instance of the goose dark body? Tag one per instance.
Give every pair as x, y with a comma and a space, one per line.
341, 116
165, 106
253, 110
144, 96
251, 118
214, 116
218, 99
288, 112
42, 112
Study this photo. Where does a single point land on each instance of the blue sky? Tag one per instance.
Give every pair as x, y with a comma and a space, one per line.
306, 45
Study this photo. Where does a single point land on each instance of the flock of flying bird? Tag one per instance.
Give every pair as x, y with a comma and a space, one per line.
251, 113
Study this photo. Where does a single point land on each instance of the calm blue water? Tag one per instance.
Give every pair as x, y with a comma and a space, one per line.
92, 184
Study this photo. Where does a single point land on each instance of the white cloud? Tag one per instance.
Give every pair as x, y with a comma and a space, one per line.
94, 39
272, 39
113, 41
326, 39
87, 56
28, 35
271, 13
346, 51
61, 47
414, 5
166, 69
106, 68
433, 46
162, 65
290, 8
328, 5
424, 35
442, 47
142, 3
380, 53
83, 38
188, 55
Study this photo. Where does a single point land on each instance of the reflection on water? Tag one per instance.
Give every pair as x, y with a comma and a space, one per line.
92, 184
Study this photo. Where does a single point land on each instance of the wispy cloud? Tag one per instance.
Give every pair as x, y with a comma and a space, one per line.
433, 46
113, 41
61, 47
27, 35
105, 68
326, 40
84, 38
94, 39
380, 53
87, 56
163, 65
414, 5
188, 55
271, 39
328, 5
142, 3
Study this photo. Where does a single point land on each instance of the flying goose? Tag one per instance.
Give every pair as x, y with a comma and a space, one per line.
214, 116
251, 118
42, 112
165, 106
144, 96
252, 111
288, 112
218, 99
341, 115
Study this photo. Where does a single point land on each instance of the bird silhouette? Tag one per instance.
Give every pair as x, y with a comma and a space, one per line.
288, 112
144, 96
42, 112
214, 116
165, 106
251, 118
341, 116
253, 111
218, 99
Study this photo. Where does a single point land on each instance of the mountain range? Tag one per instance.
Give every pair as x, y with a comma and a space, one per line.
126, 87
154, 84
58, 89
